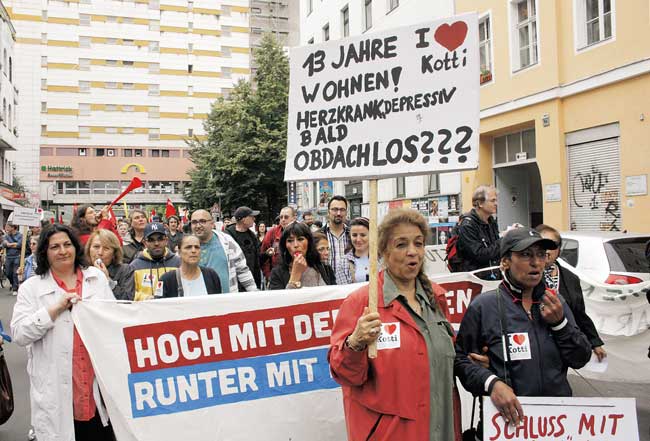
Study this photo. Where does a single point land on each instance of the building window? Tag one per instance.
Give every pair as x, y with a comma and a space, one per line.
100, 152
190, 68
154, 112
485, 48
190, 112
400, 184
164, 153
84, 20
154, 25
155, 153
43, 107
326, 32
111, 130
111, 107
367, 14
154, 46
43, 84
128, 108
127, 153
82, 152
84, 109
110, 152
514, 147
190, 90
154, 90
84, 42
434, 183
111, 62
190, 48
127, 63
4, 119
43, 61
84, 86
84, 63
138, 153
190, 132
128, 130
345, 20
111, 85
128, 42
524, 33
154, 134
392, 4
128, 86
595, 21
154, 68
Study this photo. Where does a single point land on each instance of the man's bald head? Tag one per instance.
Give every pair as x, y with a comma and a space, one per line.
202, 224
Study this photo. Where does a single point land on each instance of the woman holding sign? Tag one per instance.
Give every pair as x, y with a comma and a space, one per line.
407, 392
65, 399
530, 332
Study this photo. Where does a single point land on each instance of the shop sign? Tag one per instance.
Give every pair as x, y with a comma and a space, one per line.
57, 171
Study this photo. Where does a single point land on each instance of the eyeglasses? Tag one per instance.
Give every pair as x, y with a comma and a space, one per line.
528, 254
203, 222
339, 210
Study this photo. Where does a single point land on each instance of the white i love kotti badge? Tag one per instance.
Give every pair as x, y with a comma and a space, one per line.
389, 337
519, 346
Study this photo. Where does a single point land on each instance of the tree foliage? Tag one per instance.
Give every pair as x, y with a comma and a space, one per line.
242, 160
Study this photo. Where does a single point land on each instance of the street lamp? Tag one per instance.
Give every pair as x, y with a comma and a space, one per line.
47, 195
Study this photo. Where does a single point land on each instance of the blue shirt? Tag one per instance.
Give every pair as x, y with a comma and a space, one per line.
16, 238
213, 256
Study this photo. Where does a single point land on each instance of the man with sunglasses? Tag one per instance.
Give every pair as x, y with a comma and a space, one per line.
530, 332
221, 252
154, 261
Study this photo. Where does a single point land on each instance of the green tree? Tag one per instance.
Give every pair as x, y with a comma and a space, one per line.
242, 160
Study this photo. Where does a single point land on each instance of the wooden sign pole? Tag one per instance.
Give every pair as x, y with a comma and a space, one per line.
23, 230
373, 285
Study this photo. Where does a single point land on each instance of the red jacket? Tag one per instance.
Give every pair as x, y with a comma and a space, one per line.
395, 385
271, 240
104, 224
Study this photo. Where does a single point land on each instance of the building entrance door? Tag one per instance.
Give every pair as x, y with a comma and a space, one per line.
519, 195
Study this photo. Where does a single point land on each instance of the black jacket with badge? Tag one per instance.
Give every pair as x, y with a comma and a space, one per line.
250, 246
540, 356
478, 242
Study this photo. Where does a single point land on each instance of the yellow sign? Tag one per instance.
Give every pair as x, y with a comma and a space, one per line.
139, 167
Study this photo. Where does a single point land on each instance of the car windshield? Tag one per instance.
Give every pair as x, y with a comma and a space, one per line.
628, 255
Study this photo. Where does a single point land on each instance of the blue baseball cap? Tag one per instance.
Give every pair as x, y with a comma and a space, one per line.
154, 228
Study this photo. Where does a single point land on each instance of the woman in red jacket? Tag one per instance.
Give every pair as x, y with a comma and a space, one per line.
407, 392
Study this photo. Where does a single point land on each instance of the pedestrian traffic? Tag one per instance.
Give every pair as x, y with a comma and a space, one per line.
30, 262
261, 232
358, 257
221, 252
65, 400
270, 248
104, 252
301, 265
478, 232
530, 332
190, 279
322, 246
135, 244
407, 391
154, 261
567, 284
174, 233
338, 235
243, 234
12, 244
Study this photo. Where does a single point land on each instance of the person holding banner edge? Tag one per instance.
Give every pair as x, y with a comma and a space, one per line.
530, 332
65, 399
407, 391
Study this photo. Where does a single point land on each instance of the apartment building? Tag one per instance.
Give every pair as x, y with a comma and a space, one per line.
436, 195
112, 89
565, 101
279, 17
8, 120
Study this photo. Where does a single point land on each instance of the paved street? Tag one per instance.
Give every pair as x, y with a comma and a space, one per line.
16, 428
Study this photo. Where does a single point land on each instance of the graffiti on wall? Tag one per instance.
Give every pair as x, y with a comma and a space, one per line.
591, 189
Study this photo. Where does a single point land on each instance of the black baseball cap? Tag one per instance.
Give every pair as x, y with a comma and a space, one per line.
243, 212
518, 239
154, 228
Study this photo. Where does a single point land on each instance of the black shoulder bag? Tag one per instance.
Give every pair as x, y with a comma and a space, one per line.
6, 391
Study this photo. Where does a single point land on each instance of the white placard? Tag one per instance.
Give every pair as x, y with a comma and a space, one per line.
26, 216
636, 185
565, 418
553, 192
397, 102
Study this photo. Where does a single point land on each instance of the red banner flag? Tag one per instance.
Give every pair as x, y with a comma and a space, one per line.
169, 209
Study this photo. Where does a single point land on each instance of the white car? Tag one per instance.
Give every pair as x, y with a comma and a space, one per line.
610, 257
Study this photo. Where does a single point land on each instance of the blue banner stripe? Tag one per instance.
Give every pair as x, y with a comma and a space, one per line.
186, 388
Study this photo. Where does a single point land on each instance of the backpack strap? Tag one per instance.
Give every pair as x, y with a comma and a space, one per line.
180, 291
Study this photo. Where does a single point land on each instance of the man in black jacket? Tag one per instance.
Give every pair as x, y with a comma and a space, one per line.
247, 240
478, 232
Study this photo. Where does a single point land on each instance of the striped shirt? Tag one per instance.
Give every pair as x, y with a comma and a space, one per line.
338, 246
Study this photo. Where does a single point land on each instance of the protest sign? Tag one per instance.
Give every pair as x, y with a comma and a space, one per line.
566, 418
26, 216
396, 102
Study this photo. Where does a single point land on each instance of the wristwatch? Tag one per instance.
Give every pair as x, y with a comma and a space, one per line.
296, 285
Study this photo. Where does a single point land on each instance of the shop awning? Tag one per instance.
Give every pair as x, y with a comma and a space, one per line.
7, 204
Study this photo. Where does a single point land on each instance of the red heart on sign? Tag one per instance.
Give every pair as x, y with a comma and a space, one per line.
390, 328
451, 36
519, 339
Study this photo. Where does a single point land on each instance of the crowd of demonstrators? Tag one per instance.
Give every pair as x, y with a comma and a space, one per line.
12, 243
221, 252
190, 279
300, 264
478, 232
104, 252
154, 261
567, 284
522, 311
358, 258
338, 235
247, 240
270, 247
174, 232
380, 397
65, 400
322, 246
133, 244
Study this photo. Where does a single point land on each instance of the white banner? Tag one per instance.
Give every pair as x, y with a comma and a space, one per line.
397, 102
565, 418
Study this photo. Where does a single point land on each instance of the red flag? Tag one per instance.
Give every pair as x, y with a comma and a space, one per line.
153, 213
60, 218
169, 209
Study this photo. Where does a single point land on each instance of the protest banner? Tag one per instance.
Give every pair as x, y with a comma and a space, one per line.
392, 103
24, 217
565, 418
